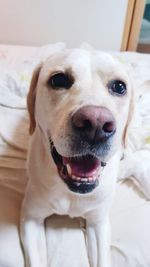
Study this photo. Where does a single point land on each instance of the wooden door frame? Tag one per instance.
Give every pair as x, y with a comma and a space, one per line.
132, 27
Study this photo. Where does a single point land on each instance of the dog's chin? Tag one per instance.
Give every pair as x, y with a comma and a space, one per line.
80, 173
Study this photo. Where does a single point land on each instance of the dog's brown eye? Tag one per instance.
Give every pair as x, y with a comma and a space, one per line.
60, 81
117, 87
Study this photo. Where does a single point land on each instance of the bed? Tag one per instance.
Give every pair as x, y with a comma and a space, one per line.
130, 213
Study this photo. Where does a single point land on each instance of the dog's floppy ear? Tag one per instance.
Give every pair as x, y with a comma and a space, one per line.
31, 99
130, 115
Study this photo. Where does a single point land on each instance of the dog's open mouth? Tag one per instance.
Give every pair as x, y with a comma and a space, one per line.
81, 173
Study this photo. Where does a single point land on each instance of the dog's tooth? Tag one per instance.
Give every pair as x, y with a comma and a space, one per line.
95, 177
68, 169
84, 179
90, 179
76, 178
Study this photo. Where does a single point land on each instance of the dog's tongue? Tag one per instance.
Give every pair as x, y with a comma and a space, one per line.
86, 166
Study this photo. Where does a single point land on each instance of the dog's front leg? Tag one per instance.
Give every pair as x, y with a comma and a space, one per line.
34, 242
98, 242
32, 230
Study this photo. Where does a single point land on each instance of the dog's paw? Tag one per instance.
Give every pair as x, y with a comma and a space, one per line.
136, 166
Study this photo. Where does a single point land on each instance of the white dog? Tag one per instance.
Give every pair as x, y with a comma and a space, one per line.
80, 103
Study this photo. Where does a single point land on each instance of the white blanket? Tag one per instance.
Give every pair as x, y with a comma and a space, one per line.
130, 214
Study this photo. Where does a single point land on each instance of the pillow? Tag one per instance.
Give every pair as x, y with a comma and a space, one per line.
16, 67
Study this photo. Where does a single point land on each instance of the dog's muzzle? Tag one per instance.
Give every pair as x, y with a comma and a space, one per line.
92, 128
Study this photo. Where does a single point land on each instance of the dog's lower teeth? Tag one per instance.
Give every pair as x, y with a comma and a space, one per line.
77, 178
89, 179
84, 179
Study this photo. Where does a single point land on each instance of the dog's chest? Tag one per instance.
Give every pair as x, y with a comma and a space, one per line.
61, 205
72, 205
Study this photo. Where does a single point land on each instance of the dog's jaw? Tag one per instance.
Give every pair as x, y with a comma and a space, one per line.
81, 174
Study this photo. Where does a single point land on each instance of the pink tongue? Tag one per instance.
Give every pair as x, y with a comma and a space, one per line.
83, 166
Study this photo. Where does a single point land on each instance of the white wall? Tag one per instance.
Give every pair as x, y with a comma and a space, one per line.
36, 22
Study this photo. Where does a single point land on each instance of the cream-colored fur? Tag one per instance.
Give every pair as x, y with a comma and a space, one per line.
50, 111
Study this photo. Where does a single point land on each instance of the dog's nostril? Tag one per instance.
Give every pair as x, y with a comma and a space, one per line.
87, 125
108, 127
81, 123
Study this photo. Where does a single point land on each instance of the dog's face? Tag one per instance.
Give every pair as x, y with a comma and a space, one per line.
81, 101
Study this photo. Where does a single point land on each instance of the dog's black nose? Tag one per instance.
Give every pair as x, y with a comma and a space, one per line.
94, 124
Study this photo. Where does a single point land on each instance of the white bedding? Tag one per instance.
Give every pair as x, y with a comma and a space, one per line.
130, 214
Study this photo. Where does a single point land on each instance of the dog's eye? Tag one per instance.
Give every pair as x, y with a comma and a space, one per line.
60, 81
117, 87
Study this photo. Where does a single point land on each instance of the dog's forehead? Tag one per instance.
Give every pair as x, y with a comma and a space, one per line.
81, 60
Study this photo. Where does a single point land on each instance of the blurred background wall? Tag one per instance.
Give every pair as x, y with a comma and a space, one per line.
37, 22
